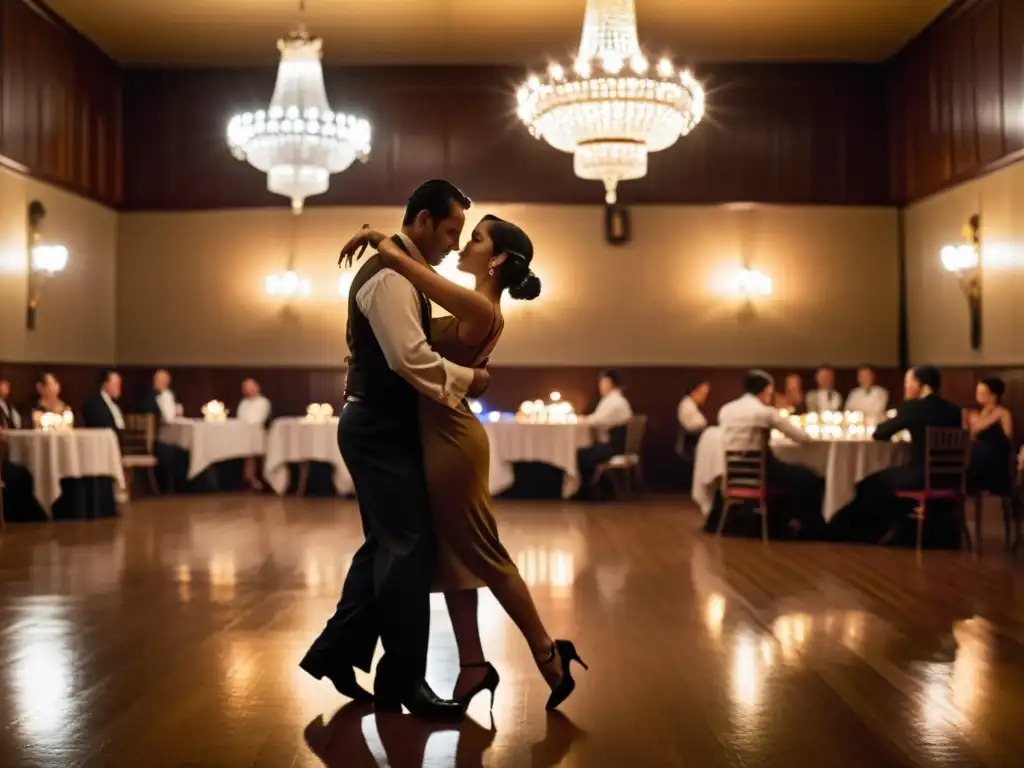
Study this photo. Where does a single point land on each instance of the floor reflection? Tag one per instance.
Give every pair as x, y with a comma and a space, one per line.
40, 673
117, 637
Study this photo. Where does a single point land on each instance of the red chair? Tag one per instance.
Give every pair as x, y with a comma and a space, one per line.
947, 450
745, 480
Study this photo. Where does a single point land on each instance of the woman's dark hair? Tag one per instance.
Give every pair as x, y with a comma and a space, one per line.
514, 273
42, 377
996, 386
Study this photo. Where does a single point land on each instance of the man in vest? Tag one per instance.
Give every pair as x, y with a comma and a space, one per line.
391, 365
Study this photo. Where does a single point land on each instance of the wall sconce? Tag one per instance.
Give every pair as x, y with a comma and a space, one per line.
750, 284
964, 261
287, 284
44, 260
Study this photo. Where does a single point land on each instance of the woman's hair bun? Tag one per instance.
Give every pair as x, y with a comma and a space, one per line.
526, 289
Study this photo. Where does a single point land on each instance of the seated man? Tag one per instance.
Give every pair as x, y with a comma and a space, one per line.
101, 410
868, 398
824, 397
876, 509
746, 425
608, 421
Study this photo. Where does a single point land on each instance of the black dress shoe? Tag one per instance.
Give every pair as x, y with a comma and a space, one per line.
343, 679
421, 702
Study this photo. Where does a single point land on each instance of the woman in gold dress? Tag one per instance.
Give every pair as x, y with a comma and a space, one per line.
456, 453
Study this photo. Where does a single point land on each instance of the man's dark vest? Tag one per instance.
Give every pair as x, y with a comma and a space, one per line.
369, 377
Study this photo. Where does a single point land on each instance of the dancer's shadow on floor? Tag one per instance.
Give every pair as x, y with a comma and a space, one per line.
341, 743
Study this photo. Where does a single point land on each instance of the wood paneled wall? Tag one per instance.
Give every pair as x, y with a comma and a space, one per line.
956, 98
774, 133
60, 104
655, 391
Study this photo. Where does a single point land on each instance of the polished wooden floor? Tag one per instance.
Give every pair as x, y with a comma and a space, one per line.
170, 637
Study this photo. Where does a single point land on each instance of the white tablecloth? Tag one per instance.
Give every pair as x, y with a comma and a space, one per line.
295, 440
209, 442
553, 444
843, 464
52, 456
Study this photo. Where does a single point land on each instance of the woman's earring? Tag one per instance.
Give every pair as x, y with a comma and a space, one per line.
490, 271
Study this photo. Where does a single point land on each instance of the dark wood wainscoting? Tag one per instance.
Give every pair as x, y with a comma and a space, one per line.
774, 133
60, 109
956, 95
654, 390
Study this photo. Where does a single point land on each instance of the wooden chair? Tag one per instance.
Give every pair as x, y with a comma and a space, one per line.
625, 468
745, 480
947, 450
3, 458
137, 447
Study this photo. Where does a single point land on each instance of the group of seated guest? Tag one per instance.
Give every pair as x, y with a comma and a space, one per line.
867, 397
608, 421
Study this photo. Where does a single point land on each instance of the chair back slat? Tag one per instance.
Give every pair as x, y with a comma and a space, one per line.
947, 451
139, 435
746, 469
635, 430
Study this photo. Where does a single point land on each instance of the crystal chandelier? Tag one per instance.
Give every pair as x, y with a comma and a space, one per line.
607, 110
298, 141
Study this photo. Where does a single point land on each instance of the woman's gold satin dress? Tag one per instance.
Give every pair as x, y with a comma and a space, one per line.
456, 459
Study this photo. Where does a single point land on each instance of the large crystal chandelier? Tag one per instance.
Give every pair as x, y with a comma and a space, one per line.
298, 141
607, 110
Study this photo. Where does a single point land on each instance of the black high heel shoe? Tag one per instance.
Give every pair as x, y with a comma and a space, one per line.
489, 682
566, 653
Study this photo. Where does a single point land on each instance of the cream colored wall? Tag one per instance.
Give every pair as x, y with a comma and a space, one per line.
189, 287
937, 311
75, 321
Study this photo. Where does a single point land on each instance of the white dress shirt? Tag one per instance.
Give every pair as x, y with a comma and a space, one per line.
690, 417
747, 424
821, 400
254, 410
613, 410
392, 306
115, 410
13, 417
168, 405
871, 401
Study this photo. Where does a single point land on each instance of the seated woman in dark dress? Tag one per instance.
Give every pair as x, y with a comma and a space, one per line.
991, 428
49, 399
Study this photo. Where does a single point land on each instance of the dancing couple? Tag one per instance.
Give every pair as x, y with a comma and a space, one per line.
419, 460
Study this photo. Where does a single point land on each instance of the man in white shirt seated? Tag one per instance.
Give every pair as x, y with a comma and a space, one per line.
825, 397
868, 398
160, 401
692, 423
608, 421
254, 408
746, 425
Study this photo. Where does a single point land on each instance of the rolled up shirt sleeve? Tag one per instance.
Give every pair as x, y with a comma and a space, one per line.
392, 306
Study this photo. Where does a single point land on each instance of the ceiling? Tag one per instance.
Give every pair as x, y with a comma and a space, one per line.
244, 32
